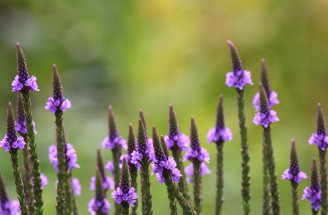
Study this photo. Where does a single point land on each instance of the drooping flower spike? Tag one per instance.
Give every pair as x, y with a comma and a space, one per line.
265, 116
7, 207
23, 82
125, 194
107, 182
239, 77
99, 205
271, 95
313, 193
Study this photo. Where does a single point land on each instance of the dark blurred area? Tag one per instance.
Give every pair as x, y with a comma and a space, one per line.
147, 54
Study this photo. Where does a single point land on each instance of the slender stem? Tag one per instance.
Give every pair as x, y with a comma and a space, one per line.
172, 203
33, 155
124, 208
275, 203
26, 172
116, 161
197, 187
295, 202
219, 178
183, 187
265, 188
323, 181
174, 190
145, 188
18, 181
74, 206
314, 212
246, 179
134, 183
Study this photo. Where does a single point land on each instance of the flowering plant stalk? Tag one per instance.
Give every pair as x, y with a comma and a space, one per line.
25, 85
238, 78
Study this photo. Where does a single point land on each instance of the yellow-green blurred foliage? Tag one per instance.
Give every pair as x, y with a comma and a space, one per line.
147, 54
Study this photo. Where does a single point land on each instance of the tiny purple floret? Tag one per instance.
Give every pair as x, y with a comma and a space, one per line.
321, 140
181, 140
111, 144
19, 83
107, 183
99, 205
76, 187
53, 105
169, 164
7, 143
273, 99
130, 196
238, 79
216, 134
70, 153
296, 177
189, 170
314, 196
266, 118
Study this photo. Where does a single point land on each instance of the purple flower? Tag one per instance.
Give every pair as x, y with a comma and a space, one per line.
169, 164
238, 79
136, 159
189, 170
44, 180
296, 177
12, 141
314, 196
216, 134
129, 196
201, 155
70, 154
21, 126
321, 140
111, 144
53, 105
76, 187
10, 207
272, 100
110, 167
107, 183
24, 80
265, 118
99, 205
180, 140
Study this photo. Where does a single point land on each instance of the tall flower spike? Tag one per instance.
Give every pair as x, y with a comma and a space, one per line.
238, 77
107, 182
219, 134
313, 193
265, 116
271, 95
321, 140
57, 102
295, 176
125, 194
23, 82
144, 150
12, 143
7, 207
99, 205
149, 140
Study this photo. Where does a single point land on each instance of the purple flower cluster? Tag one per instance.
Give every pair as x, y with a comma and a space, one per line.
24, 80
265, 117
272, 100
70, 153
107, 183
110, 167
128, 195
12, 141
199, 153
314, 196
180, 140
135, 159
137, 155
319, 139
293, 175
238, 79
169, 164
10, 208
60, 103
99, 206
219, 134
111, 143
189, 170
20, 125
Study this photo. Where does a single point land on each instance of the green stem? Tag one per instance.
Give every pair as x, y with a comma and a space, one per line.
116, 161
295, 202
265, 188
275, 202
145, 188
219, 178
124, 208
183, 187
172, 203
18, 181
246, 179
26, 172
134, 183
33, 155
323, 181
74, 206
197, 187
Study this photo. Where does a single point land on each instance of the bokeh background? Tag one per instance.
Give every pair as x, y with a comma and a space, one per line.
147, 54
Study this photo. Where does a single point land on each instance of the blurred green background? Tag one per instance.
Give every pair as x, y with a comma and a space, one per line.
147, 54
